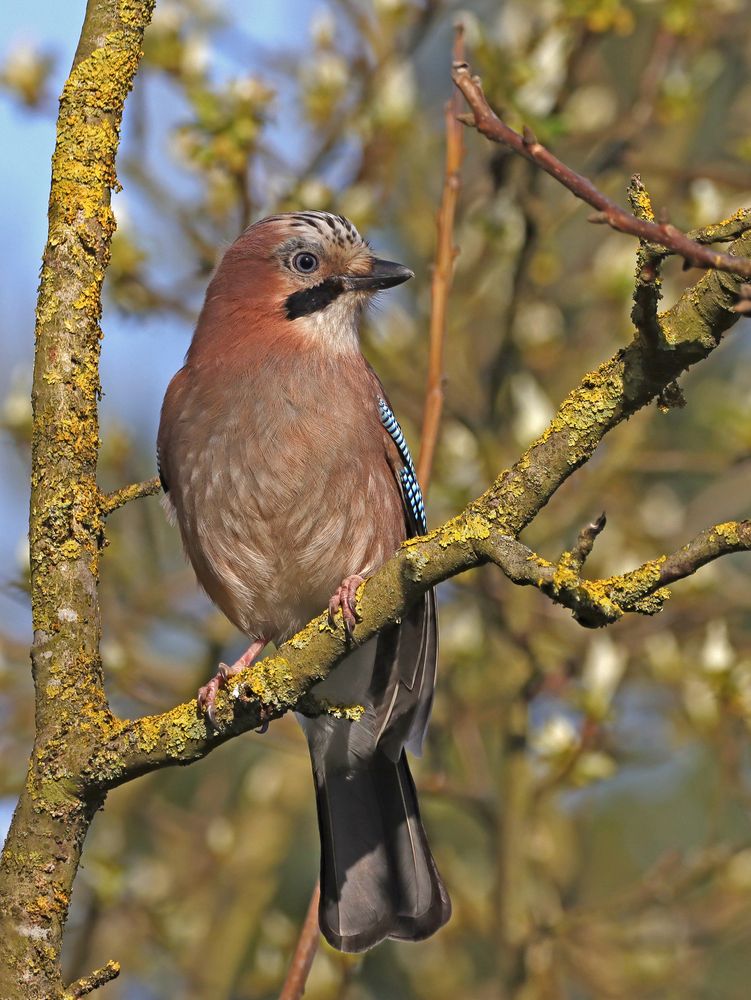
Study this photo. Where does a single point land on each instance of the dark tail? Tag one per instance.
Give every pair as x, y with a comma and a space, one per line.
378, 877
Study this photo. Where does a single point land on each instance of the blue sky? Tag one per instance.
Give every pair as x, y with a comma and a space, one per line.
27, 142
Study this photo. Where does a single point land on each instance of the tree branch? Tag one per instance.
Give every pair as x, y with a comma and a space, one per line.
305, 951
42, 851
647, 290
118, 498
719, 232
100, 977
600, 602
586, 540
442, 275
484, 119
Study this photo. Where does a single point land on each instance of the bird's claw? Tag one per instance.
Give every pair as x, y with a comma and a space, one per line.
344, 599
207, 694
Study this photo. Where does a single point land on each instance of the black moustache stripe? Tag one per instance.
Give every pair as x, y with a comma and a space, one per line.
311, 300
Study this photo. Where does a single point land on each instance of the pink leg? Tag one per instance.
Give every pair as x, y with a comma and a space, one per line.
344, 599
207, 693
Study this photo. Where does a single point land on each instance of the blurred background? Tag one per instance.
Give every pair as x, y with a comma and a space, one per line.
587, 793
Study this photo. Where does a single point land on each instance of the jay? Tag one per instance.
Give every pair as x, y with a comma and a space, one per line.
291, 481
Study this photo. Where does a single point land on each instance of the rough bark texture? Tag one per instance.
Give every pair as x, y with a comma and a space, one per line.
81, 750
44, 845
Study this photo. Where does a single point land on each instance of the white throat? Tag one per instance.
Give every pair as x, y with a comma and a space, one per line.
337, 326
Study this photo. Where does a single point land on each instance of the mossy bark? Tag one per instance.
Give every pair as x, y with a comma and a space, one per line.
43, 848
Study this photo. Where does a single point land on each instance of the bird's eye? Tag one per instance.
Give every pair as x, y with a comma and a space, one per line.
305, 263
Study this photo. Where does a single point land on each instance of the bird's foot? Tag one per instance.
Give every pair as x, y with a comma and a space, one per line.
207, 694
344, 599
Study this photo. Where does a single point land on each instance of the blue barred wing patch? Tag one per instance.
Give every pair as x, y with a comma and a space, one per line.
408, 476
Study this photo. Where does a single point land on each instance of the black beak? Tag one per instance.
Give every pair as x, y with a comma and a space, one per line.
383, 274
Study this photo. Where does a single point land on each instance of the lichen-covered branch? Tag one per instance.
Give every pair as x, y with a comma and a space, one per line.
720, 540
99, 977
112, 501
43, 847
648, 286
485, 120
600, 602
280, 682
718, 232
633, 377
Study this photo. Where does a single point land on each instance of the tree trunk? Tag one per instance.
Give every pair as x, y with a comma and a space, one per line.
43, 847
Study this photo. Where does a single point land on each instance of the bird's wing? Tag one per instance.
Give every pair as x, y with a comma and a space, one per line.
405, 669
168, 423
404, 469
160, 470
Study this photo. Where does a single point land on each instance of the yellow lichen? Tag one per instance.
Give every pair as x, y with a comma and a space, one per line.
303, 638
468, 527
352, 713
717, 229
638, 582
640, 201
728, 532
135, 13
70, 549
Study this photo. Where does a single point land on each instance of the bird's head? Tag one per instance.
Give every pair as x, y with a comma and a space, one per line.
309, 273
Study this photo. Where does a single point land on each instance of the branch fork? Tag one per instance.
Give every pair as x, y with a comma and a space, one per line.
487, 122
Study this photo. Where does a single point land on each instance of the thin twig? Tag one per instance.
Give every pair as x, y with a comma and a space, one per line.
525, 195
586, 540
305, 951
99, 977
442, 275
484, 119
111, 501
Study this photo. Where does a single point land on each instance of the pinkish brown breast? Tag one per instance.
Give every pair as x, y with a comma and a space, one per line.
281, 484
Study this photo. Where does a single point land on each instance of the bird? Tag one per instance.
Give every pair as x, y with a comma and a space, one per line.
291, 482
